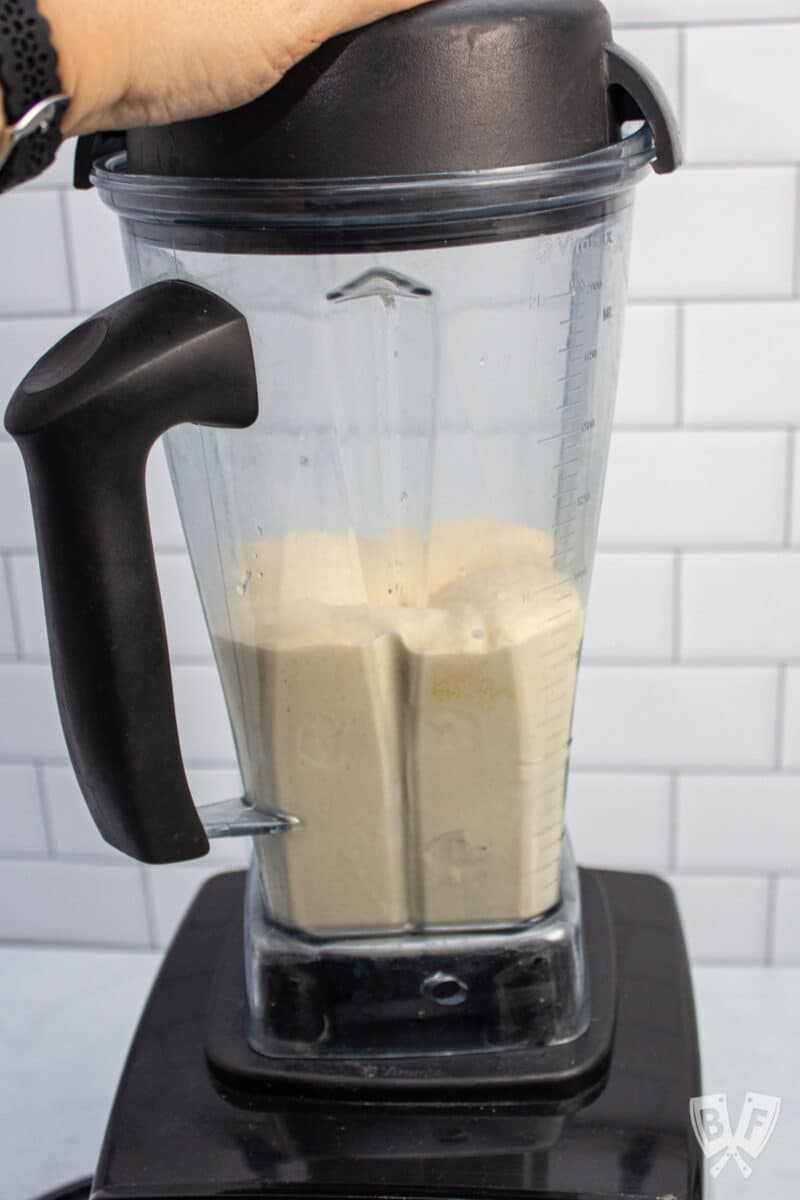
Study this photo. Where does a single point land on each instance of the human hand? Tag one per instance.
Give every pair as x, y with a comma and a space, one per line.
126, 63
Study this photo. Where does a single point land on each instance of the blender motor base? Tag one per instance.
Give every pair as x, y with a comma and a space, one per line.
526, 1069
178, 1130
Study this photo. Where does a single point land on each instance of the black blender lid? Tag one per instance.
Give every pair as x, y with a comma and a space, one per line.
458, 121
453, 85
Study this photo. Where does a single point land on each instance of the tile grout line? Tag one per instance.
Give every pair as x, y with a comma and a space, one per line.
771, 921
780, 716
706, 23
791, 484
32, 943
631, 549
680, 410
700, 298
47, 816
692, 662
674, 821
45, 760
719, 770
103, 863
716, 873
677, 603
40, 314
149, 907
69, 251
680, 366
731, 549
13, 608
796, 235
683, 80
644, 662
739, 164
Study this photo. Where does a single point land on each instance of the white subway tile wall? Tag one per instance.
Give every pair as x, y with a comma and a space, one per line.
36, 280
741, 362
621, 820
785, 947
742, 605
632, 614
677, 716
7, 633
23, 831
648, 385
726, 918
687, 732
742, 84
698, 12
791, 729
680, 488
709, 232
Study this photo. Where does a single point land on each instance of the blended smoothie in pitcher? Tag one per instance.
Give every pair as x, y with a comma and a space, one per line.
409, 704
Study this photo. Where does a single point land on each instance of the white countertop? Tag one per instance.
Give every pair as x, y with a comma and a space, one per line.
67, 1016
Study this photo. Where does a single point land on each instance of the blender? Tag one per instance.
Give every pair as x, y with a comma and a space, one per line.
378, 322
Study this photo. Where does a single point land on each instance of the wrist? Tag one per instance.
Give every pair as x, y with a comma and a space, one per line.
89, 39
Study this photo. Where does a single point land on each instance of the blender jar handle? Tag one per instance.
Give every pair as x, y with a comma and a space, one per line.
86, 418
637, 95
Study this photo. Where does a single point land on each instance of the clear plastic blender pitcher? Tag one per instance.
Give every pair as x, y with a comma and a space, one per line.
394, 559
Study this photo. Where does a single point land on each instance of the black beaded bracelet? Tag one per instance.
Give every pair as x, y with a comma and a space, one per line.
31, 89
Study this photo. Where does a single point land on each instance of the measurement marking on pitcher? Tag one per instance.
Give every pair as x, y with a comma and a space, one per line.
554, 831
554, 791
551, 587
556, 682
562, 437
556, 827
559, 616
557, 650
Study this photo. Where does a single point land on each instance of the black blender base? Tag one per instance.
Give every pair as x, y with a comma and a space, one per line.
527, 1072
178, 1129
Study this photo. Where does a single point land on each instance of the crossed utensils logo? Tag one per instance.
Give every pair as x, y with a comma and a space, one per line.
712, 1127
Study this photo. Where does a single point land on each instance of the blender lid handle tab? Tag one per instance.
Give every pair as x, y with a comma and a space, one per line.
637, 95
85, 419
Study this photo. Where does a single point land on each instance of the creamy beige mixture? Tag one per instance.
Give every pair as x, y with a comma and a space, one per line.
411, 707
